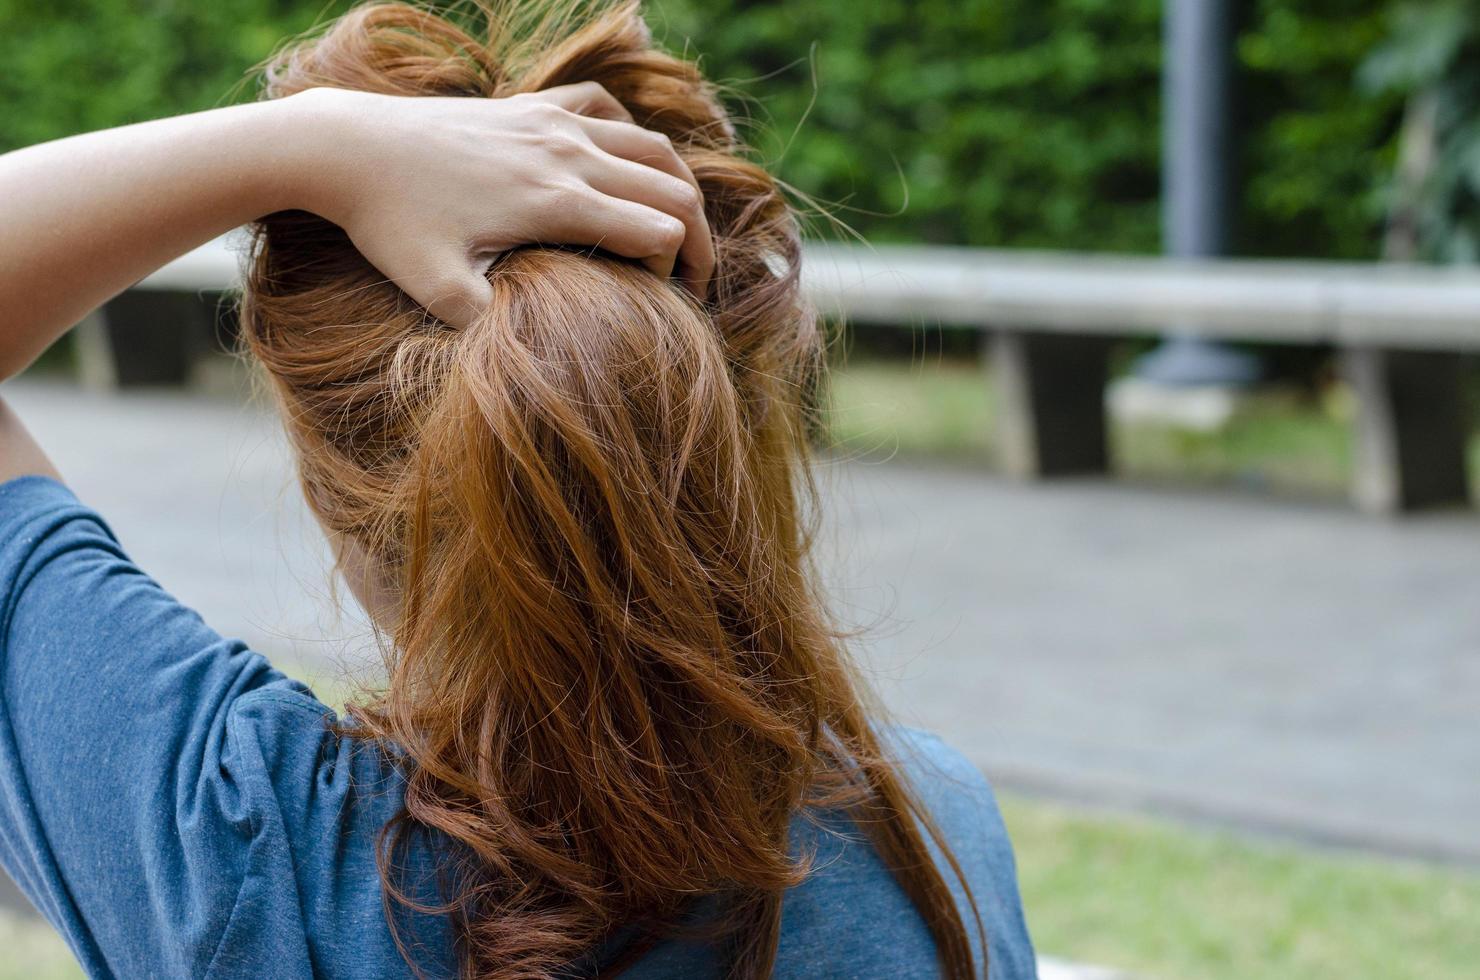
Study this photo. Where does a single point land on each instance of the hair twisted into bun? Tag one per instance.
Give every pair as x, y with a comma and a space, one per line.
612, 684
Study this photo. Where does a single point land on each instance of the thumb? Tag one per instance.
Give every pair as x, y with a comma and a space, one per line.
442, 277
454, 290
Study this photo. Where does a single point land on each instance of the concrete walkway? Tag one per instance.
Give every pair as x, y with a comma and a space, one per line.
1292, 668
1277, 665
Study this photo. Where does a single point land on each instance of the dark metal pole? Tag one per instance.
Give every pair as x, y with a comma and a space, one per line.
1195, 143
1197, 174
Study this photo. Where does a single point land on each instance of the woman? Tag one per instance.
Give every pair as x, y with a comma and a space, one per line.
618, 734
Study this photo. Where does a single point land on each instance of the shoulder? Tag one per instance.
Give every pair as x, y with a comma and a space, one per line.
25, 496
321, 800
296, 748
955, 791
37, 513
960, 799
851, 895
934, 764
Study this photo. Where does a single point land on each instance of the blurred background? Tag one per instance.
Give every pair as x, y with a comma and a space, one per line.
1151, 443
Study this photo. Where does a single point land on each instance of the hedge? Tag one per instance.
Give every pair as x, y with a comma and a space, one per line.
1029, 123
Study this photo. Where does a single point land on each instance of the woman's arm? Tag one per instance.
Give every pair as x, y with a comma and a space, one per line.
429, 189
88, 216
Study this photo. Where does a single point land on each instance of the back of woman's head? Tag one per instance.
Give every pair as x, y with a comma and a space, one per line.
609, 677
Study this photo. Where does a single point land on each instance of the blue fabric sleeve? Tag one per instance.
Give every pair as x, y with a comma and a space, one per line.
125, 814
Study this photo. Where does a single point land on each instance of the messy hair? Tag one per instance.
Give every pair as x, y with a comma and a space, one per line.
611, 682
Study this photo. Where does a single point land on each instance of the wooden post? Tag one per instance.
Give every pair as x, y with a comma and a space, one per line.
1051, 403
1410, 429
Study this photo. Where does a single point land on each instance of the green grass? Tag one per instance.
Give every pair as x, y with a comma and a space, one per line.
945, 409
1166, 902
32, 951
1277, 442
937, 408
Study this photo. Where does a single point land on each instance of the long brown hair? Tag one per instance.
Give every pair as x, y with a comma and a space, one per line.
611, 681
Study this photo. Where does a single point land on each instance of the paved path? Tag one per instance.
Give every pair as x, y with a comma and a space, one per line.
1279, 665
1294, 668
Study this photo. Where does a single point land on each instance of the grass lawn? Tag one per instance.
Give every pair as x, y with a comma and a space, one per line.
32, 951
945, 409
1165, 902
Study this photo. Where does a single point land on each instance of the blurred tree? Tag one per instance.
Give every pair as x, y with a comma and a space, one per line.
87, 64
1029, 123
1034, 124
1431, 58
1313, 153
987, 122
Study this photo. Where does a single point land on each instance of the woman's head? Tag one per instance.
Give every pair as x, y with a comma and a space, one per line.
562, 323
609, 676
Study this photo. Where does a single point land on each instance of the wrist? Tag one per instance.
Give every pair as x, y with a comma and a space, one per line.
314, 132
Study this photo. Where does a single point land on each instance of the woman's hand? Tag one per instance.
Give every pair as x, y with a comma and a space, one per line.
431, 189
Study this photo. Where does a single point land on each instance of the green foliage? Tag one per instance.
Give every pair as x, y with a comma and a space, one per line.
985, 122
1027, 123
1315, 152
87, 64
1034, 124
1431, 58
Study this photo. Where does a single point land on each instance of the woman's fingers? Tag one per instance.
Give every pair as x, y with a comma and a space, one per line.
674, 197
672, 189
631, 142
641, 166
586, 99
625, 228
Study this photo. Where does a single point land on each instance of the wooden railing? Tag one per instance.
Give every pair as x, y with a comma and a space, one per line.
1050, 318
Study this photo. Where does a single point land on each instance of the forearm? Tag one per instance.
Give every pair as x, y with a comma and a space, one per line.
86, 217
428, 189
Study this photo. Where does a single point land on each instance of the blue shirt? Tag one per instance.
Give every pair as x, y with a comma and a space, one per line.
176, 807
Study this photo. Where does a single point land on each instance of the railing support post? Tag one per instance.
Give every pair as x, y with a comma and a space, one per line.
1410, 429
144, 338
1051, 403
